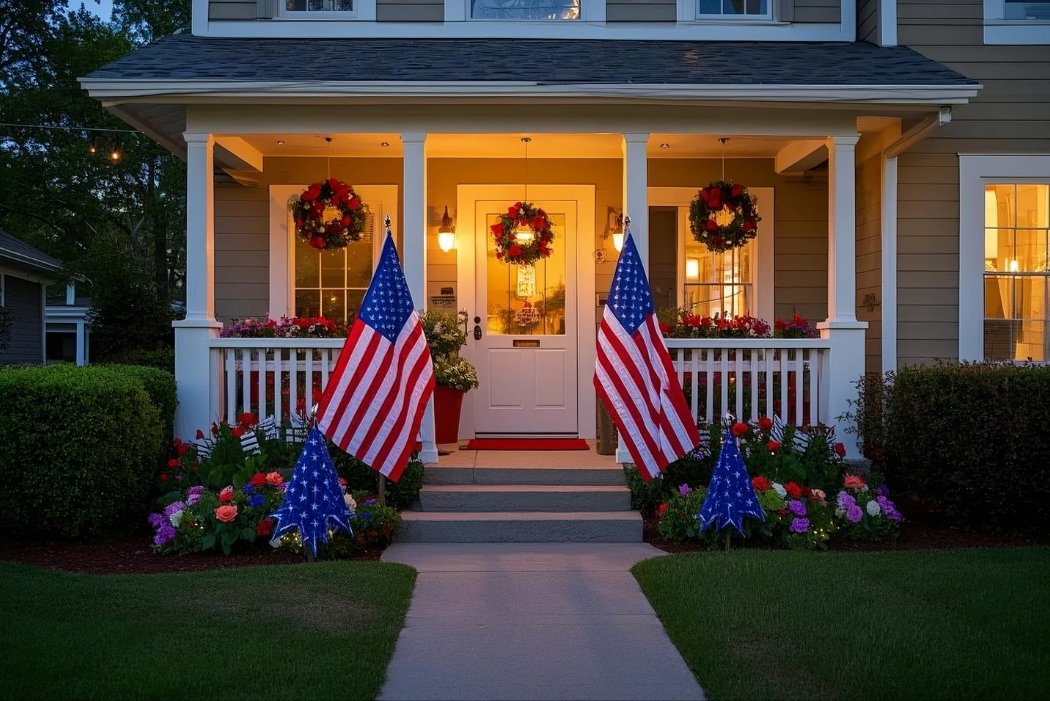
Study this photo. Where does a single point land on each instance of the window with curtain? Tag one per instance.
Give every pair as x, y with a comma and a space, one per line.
1016, 279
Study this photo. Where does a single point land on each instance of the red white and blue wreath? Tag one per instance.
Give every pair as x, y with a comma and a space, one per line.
329, 215
729, 202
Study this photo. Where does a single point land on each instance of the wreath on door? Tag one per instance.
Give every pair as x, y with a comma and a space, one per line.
722, 216
522, 250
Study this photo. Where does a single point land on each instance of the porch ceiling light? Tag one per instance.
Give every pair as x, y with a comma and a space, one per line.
446, 233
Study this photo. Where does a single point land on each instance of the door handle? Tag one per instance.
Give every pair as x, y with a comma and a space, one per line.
477, 332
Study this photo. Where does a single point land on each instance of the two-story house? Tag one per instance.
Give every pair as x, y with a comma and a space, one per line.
898, 151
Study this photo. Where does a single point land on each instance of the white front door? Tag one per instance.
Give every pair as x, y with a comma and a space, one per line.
524, 329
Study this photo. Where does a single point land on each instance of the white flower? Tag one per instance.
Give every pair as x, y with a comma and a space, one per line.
779, 489
873, 508
175, 518
350, 503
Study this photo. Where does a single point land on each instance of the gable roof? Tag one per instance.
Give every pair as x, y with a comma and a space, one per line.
534, 61
21, 253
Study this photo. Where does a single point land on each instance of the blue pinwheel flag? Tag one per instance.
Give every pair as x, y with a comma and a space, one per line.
313, 501
730, 497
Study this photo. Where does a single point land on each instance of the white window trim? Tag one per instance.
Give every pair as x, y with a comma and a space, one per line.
381, 200
998, 30
974, 173
689, 11
763, 263
591, 11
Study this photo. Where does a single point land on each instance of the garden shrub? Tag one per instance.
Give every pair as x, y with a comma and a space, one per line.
361, 477
79, 450
162, 358
160, 386
972, 439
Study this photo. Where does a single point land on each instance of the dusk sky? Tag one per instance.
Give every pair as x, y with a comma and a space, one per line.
102, 9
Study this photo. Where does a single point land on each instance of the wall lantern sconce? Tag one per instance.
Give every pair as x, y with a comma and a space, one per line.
692, 268
446, 233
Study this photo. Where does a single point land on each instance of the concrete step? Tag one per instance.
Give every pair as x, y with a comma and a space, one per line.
524, 497
520, 527
436, 474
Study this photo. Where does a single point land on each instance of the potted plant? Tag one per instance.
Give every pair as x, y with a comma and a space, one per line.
453, 376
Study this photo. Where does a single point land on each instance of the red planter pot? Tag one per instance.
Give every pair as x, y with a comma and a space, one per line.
448, 403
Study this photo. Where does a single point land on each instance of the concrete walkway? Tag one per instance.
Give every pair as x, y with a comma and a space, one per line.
524, 621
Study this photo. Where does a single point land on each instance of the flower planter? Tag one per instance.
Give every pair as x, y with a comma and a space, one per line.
448, 403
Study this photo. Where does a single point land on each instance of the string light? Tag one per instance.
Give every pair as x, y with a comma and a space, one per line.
115, 154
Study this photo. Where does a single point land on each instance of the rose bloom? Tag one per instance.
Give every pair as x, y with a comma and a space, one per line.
773, 446
853, 482
226, 495
794, 491
274, 479
226, 514
739, 428
873, 508
765, 423
818, 495
760, 483
258, 479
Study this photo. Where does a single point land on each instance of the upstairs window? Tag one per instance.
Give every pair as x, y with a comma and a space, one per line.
1016, 22
525, 9
317, 6
1026, 10
734, 9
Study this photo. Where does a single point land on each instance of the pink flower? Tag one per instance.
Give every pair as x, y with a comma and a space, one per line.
274, 479
853, 482
226, 514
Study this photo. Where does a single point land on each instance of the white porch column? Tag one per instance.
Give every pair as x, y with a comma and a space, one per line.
414, 252
196, 379
81, 358
845, 363
636, 206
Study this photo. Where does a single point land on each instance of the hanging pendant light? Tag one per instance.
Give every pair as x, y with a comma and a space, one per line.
331, 212
523, 232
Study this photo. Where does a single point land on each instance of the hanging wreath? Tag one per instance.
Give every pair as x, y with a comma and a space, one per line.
733, 205
329, 215
509, 248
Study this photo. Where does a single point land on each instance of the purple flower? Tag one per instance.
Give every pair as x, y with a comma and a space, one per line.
845, 500
800, 525
882, 490
370, 501
193, 498
854, 513
173, 508
165, 534
889, 509
797, 507
684, 489
156, 520
195, 491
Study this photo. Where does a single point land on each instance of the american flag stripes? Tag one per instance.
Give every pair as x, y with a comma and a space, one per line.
633, 373
374, 401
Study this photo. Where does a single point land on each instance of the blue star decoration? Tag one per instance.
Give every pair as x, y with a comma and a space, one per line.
730, 496
313, 502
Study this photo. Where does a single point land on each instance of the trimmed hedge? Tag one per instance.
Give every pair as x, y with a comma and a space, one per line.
972, 439
79, 449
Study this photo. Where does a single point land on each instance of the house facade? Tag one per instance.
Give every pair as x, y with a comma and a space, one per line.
25, 273
886, 144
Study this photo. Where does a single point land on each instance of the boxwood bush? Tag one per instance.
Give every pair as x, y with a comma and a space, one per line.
79, 450
972, 440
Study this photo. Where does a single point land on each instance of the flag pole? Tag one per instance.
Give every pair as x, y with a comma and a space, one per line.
381, 498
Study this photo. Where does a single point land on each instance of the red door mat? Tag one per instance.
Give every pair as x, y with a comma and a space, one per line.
526, 444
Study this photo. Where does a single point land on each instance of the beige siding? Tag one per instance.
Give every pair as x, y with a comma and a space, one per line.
232, 9
641, 11
242, 225
410, 10
800, 231
868, 21
817, 11
1011, 115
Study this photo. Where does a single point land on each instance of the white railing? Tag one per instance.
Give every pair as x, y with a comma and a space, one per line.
271, 376
754, 377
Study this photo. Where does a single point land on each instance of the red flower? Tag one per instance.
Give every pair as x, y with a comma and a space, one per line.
779, 325
247, 419
354, 204
711, 225
258, 479
181, 448
773, 446
539, 223
514, 251
765, 423
497, 229
665, 328
662, 509
739, 428
748, 225
794, 491
372, 533
226, 495
264, 527
737, 191
761, 483
163, 478
214, 429
173, 463
312, 193
200, 435
840, 450
318, 242
237, 431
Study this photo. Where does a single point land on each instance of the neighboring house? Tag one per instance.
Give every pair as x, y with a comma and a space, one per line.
67, 320
899, 150
25, 273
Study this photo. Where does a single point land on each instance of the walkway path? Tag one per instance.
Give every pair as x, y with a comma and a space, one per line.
525, 621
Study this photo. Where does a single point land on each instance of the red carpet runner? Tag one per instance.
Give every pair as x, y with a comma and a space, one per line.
526, 444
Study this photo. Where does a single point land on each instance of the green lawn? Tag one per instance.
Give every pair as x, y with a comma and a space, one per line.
323, 630
962, 624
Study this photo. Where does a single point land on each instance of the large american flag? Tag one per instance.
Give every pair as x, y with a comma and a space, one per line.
374, 401
634, 376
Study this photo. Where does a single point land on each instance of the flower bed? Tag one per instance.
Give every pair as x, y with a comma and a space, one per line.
285, 327
677, 322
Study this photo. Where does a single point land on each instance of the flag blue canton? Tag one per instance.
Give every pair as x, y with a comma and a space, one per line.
730, 496
313, 501
629, 296
388, 303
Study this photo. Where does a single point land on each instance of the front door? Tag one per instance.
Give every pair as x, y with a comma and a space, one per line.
525, 322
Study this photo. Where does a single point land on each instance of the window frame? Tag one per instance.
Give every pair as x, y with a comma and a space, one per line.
999, 30
975, 172
591, 12
584, 15
364, 10
689, 11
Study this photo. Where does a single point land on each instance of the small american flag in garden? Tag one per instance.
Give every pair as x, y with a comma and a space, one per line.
374, 401
313, 502
634, 376
730, 496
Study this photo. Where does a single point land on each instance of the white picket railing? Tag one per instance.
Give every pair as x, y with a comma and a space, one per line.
271, 376
753, 377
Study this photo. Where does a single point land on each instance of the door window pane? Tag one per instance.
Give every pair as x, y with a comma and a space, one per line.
524, 300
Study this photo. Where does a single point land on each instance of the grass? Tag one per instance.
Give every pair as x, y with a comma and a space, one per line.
323, 630
962, 624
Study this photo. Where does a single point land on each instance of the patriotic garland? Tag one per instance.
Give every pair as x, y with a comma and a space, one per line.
718, 197
508, 248
327, 231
